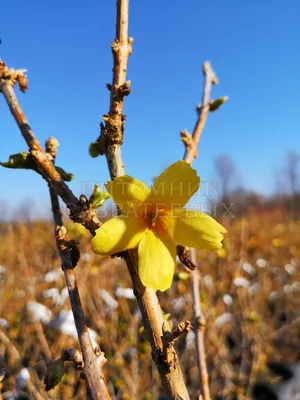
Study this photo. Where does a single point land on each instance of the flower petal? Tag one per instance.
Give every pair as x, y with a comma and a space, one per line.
175, 186
127, 192
118, 234
157, 255
192, 228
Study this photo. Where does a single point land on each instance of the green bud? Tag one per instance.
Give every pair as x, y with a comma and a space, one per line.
181, 276
54, 374
186, 137
93, 150
98, 197
25, 161
65, 175
20, 161
215, 104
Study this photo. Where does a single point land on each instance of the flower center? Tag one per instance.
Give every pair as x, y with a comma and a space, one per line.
155, 215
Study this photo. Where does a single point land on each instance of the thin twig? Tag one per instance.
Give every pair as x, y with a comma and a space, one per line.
29, 385
78, 211
42, 339
93, 372
191, 151
199, 326
109, 143
111, 135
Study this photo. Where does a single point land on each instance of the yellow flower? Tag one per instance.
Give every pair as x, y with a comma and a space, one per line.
155, 222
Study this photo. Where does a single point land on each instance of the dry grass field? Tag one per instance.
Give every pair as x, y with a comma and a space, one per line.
250, 294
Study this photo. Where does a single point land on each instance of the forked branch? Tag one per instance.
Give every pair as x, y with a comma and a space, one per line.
109, 144
78, 212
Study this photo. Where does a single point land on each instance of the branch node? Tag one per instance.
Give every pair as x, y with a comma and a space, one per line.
122, 91
13, 76
130, 42
111, 132
209, 72
186, 138
200, 323
73, 355
100, 356
170, 337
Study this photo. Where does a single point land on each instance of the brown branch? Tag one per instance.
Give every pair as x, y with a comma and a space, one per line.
191, 151
112, 131
109, 144
42, 339
169, 338
166, 360
93, 373
78, 212
191, 142
199, 327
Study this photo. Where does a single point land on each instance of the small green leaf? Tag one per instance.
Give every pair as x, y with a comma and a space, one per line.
214, 105
25, 161
20, 161
98, 197
54, 374
67, 177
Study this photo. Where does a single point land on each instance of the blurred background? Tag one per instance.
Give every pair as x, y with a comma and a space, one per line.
249, 164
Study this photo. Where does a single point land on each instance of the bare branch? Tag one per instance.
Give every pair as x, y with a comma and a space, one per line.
78, 212
109, 143
94, 376
199, 326
191, 151
168, 367
112, 130
191, 145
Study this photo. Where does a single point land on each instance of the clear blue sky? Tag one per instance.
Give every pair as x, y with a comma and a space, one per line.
65, 46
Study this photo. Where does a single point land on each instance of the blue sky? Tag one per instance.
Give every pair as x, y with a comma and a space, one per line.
65, 46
